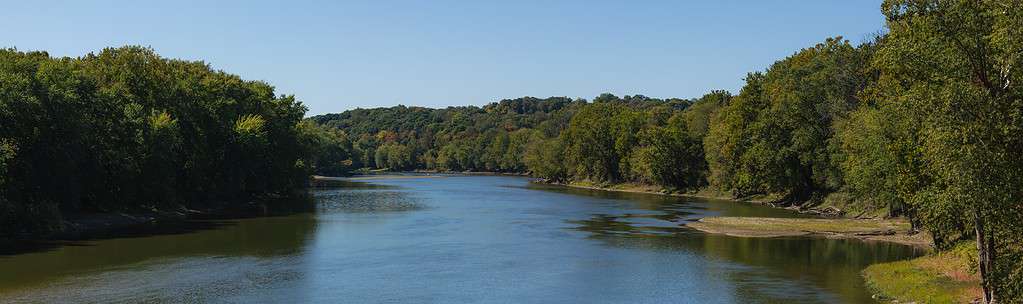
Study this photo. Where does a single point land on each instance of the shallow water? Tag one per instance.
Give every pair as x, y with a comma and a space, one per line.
459, 239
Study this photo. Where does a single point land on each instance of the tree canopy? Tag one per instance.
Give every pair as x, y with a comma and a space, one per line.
125, 129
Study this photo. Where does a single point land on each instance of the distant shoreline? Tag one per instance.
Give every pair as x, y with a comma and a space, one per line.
703, 194
831, 226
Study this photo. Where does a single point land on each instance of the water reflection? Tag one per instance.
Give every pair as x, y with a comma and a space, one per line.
116, 261
771, 263
346, 200
682, 208
456, 239
342, 183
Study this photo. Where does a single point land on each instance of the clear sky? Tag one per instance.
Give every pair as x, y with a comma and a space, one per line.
339, 55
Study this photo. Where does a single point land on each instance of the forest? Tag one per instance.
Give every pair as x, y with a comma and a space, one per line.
125, 130
922, 121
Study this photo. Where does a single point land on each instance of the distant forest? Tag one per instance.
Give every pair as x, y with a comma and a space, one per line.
923, 121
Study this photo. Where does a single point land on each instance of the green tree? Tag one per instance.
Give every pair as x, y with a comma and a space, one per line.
959, 60
126, 130
545, 158
672, 156
777, 135
493, 156
330, 150
591, 144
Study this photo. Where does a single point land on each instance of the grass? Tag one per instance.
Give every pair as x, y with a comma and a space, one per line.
945, 277
875, 230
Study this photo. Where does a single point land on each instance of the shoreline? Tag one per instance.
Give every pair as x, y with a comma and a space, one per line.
482, 173
103, 225
831, 225
939, 277
766, 200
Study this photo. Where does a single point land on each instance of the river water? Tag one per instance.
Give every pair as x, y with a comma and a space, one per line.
455, 239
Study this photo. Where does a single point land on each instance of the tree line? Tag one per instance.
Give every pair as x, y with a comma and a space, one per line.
923, 121
125, 130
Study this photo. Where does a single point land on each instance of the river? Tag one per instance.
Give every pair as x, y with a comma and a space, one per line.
455, 239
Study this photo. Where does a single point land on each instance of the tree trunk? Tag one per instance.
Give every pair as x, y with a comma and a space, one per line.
984, 258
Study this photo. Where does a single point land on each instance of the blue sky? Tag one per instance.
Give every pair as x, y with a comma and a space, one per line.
339, 55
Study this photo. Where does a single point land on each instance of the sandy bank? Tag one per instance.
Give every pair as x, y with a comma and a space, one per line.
896, 231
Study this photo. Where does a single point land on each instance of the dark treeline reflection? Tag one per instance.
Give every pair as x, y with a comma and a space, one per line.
834, 264
260, 237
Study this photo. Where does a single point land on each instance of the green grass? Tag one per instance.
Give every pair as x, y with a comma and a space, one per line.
945, 277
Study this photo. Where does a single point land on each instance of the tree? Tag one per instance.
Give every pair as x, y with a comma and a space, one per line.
494, 153
779, 130
672, 156
880, 156
960, 60
330, 150
729, 138
591, 143
545, 158
126, 130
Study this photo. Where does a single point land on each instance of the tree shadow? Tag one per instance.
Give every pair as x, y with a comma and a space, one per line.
12, 247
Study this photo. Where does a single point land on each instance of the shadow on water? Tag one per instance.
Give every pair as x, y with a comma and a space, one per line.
782, 270
685, 208
285, 231
270, 230
16, 247
343, 183
99, 224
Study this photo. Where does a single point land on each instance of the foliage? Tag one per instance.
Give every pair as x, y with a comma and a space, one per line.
125, 129
330, 151
671, 156
545, 158
940, 138
777, 135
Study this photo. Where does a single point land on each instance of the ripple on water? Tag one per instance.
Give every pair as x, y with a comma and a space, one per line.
367, 201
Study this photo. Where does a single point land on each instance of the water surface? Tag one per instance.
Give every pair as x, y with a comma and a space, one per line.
459, 239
